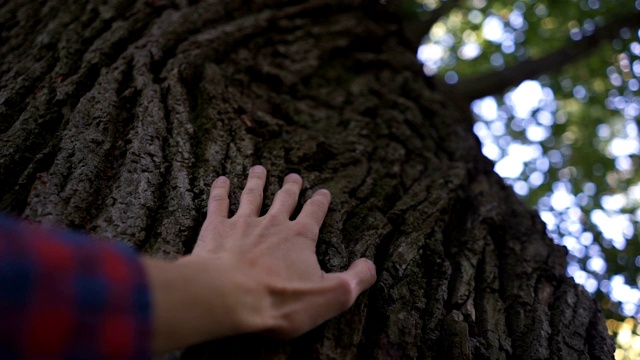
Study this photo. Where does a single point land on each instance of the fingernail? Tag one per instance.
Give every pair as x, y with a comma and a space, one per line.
258, 169
221, 180
371, 263
324, 191
372, 269
293, 176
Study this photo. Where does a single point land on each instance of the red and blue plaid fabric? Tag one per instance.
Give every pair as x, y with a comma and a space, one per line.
64, 295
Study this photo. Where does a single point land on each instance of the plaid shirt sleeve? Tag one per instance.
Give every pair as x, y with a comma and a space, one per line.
66, 296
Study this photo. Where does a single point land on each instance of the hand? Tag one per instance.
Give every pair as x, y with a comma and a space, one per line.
261, 274
279, 254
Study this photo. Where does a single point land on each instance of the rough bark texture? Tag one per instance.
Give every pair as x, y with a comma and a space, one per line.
116, 116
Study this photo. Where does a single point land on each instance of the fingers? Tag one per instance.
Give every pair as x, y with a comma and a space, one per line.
251, 198
286, 198
361, 275
348, 285
218, 204
345, 287
336, 293
315, 209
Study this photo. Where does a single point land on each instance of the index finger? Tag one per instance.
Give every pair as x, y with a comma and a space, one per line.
251, 197
315, 209
218, 205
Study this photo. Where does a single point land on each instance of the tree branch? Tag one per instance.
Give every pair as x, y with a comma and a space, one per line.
498, 81
417, 28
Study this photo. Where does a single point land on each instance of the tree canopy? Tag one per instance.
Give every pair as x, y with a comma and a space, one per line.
554, 87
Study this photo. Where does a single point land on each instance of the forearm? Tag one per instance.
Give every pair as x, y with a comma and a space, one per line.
64, 295
195, 299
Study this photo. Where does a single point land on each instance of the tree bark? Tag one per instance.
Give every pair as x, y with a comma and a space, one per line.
116, 116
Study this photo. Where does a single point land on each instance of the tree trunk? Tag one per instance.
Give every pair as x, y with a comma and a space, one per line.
116, 116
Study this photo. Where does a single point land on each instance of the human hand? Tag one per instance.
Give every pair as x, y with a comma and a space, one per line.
260, 274
279, 254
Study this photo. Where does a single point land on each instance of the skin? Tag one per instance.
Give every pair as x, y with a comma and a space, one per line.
252, 274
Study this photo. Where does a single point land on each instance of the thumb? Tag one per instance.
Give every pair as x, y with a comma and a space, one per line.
362, 275
321, 302
347, 285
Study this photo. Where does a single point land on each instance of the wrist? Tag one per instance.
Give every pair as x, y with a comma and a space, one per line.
173, 307
199, 298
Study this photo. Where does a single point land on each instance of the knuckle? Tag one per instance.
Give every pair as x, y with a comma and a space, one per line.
271, 219
306, 229
317, 203
252, 191
345, 293
218, 186
257, 176
214, 223
288, 193
217, 197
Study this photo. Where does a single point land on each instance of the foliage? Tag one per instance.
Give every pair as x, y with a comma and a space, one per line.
568, 141
627, 337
